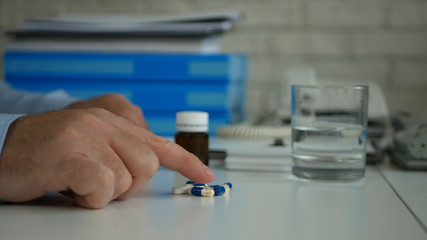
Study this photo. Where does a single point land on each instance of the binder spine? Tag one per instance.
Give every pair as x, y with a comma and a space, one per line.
124, 66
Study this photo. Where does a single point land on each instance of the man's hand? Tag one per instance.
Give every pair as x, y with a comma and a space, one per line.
95, 153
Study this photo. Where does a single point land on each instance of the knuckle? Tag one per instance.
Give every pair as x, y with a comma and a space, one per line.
94, 113
128, 139
106, 179
122, 177
114, 97
67, 131
152, 167
156, 141
151, 162
85, 116
80, 173
137, 110
84, 168
123, 184
117, 100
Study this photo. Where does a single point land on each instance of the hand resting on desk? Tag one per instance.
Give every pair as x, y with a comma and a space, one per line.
99, 149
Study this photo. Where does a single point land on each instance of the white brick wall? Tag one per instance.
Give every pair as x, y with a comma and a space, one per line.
390, 43
410, 74
345, 13
408, 13
375, 40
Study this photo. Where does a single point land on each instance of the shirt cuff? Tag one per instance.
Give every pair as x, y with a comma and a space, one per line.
5, 121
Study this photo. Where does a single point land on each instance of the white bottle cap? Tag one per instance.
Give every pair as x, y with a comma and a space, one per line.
192, 121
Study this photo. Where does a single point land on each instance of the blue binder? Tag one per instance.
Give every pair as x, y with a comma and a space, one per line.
103, 67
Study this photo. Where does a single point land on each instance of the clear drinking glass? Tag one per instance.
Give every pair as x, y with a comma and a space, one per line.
329, 131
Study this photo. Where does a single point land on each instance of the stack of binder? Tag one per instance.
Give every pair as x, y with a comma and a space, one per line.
163, 65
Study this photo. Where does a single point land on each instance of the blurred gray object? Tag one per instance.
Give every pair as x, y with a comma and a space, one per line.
409, 141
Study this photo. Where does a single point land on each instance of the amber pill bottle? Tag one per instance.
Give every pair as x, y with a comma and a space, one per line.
192, 133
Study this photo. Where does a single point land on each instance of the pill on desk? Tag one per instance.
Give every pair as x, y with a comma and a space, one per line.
201, 189
202, 185
219, 190
229, 185
189, 185
202, 192
181, 190
196, 185
184, 189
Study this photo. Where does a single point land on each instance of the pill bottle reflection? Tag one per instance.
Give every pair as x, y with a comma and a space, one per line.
192, 133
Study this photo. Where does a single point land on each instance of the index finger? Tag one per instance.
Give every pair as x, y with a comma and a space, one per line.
174, 157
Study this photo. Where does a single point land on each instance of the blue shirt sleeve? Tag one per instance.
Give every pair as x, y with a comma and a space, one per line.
5, 121
23, 102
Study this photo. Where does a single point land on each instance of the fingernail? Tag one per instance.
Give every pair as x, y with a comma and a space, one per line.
208, 171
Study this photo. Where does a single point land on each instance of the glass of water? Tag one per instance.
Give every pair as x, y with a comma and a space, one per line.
329, 131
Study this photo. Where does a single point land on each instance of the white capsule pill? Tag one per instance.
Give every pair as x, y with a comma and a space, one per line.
182, 190
227, 188
202, 192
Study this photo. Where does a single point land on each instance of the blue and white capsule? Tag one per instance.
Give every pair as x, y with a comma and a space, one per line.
227, 186
203, 192
184, 189
196, 185
202, 185
219, 190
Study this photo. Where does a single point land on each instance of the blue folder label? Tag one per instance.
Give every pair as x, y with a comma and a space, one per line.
210, 68
197, 99
71, 67
121, 66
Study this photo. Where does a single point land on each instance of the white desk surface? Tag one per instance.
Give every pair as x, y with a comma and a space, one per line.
411, 187
260, 206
